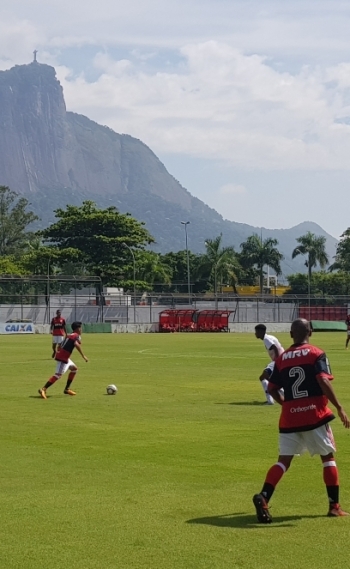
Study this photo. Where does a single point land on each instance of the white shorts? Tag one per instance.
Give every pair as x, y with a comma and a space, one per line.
318, 441
269, 368
62, 367
348, 332
57, 339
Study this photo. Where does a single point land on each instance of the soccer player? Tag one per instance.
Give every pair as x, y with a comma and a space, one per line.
274, 349
58, 331
64, 363
347, 322
304, 373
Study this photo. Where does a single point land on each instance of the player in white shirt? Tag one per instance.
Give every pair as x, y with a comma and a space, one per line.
274, 349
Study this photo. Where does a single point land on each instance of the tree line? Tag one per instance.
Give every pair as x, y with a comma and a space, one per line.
85, 240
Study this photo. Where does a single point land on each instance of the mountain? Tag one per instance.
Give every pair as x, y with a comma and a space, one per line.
54, 157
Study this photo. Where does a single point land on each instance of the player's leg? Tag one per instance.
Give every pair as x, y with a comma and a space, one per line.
61, 368
331, 480
290, 445
321, 441
53, 346
72, 372
347, 339
264, 380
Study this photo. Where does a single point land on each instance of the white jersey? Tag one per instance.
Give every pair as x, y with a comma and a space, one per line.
270, 341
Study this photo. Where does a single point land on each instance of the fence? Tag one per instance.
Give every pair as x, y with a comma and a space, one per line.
85, 308
37, 299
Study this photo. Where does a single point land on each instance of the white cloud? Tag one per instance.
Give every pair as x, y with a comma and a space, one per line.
232, 189
251, 89
222, 104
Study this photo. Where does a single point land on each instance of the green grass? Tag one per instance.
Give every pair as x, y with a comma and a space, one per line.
160, 476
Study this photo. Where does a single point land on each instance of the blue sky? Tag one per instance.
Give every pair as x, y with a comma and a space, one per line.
247, 103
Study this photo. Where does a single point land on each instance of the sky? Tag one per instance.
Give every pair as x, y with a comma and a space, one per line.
246, 102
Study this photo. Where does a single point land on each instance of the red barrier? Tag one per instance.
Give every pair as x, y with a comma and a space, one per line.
177, 321
194, 321
325, 313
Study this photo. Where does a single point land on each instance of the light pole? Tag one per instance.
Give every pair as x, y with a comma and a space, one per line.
48, 292
215, 278
308, 280
133, 259
185, 223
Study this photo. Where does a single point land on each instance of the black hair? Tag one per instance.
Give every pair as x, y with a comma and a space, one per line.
76, 325
260, 327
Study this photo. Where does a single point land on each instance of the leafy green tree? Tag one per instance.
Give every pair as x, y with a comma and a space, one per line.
177, 262
9, 266
323, 284
257, 253
97, 237
342, 256
149, 271
14, 221
313, 248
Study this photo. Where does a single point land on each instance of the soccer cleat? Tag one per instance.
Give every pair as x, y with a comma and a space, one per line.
262, 509
335, 511
69, 392
42, 393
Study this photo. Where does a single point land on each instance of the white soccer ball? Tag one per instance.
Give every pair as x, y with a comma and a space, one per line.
112, 389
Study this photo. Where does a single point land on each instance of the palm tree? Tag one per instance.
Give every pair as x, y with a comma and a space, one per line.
151, 269
258, 253
313, 248
220, 262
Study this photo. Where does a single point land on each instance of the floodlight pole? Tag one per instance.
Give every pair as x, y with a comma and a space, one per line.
185, 223
48, 292
133, 259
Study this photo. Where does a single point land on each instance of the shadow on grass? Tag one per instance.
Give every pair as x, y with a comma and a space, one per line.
241, 520
243, 403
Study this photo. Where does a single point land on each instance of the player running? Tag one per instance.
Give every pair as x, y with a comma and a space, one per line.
58, 331
347, 322
304, 373
64, 363
274, 349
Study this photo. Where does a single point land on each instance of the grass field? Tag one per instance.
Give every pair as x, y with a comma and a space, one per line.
161, 475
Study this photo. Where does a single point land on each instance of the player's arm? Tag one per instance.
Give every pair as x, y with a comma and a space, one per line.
64, 328
78, 347
273, 352
51, 327
274, 391
329, 392
324, 377
265, 375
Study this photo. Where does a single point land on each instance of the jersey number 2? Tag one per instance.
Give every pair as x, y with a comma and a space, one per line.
299, 373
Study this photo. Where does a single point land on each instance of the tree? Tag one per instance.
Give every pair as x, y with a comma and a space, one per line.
313, 247
97, 236
14, 220
177, 263
256, 252
342, 256
149, 269
221, 262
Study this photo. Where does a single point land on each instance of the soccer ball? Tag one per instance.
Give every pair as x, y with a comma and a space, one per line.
112, 389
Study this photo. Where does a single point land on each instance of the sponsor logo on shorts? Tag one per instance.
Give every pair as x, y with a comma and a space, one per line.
302, 409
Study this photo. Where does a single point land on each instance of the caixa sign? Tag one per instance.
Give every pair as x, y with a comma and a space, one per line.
17, 328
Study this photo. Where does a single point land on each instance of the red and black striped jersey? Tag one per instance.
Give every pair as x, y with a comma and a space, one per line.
347, 322
67, 347
58, 326
297, 370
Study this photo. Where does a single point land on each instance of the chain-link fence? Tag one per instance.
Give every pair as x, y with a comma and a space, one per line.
37, 299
